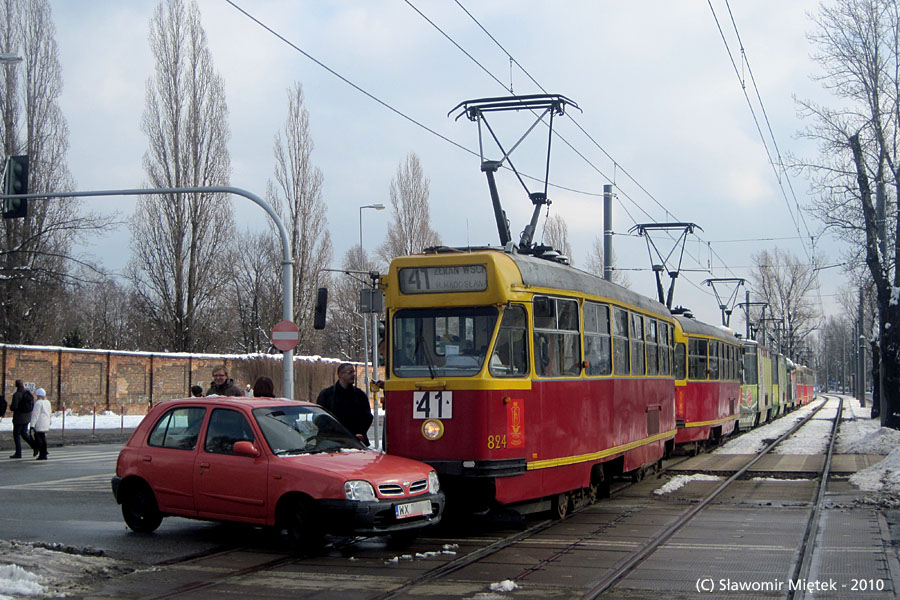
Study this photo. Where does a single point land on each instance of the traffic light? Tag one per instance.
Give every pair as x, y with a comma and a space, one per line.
15, 181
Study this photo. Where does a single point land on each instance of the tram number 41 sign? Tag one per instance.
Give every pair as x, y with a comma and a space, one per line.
432, 405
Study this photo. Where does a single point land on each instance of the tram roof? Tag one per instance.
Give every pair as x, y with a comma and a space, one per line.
695, 327
540, 272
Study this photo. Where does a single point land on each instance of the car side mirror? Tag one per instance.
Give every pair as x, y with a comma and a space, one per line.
245, 448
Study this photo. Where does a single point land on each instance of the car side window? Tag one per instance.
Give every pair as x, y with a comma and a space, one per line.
226, 427
178, 428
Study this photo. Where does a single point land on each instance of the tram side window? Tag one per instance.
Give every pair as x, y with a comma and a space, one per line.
680, 355
751, 375
652, 352
557, 348
637, 344
596, 339
697, 365
665, 349
510, 357
732, 363
713, 359
620, 341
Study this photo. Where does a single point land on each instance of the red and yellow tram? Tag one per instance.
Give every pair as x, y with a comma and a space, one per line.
707, 382
520, 378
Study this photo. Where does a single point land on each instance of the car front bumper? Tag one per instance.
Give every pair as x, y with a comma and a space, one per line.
353, 517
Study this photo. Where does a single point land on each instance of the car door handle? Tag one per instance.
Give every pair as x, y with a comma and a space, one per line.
204, 465
147, 458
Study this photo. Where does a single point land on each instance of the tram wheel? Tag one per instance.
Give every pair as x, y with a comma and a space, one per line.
560, 505
592, 493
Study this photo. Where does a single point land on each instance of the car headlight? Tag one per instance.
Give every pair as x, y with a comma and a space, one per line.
432, 429
434, 484
358, 489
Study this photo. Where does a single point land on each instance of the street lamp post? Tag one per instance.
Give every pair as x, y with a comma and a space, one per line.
365, 318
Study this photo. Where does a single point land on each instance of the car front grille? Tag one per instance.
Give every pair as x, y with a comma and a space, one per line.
392, 489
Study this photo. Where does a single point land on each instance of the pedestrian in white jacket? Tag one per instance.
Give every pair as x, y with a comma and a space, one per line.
40, 422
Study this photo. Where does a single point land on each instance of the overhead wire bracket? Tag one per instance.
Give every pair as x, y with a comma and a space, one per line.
644, 230
727, 307
476, 110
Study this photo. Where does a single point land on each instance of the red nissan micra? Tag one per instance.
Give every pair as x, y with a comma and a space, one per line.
272, 462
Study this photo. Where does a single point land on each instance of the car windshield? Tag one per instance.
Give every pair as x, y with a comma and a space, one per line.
303, 429
441, 342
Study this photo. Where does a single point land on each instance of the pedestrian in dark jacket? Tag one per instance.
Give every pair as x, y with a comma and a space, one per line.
222, 385
21, 407
348, 403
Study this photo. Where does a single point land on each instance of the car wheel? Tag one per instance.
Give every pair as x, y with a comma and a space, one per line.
402, 539
304, 531
140, 511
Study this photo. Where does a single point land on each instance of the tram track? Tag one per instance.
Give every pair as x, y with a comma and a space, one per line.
443, 571
631, 562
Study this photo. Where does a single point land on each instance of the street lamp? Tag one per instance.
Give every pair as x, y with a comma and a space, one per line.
374, 326
8, 59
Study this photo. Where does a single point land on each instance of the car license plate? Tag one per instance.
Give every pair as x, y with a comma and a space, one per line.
413, 509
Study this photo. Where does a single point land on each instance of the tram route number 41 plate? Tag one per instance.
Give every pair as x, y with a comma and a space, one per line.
432, 405
413, 509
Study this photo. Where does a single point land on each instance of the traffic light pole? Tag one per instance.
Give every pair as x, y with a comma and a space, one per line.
287, 264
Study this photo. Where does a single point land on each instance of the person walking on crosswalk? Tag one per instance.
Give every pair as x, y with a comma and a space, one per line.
21, 407
40, 422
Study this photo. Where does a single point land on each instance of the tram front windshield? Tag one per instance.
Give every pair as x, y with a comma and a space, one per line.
441, 342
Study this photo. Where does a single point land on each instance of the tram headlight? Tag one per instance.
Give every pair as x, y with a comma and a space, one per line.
434, 484
432, 429
358, 489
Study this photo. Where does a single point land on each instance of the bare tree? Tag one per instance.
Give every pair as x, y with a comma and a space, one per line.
556, 235
255, 290
104, 314
858, 45
297, 197
595, 264
411, 230
179, 241
345, 323
35, 252
787, 285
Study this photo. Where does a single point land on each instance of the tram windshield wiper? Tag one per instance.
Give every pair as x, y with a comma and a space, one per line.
420, 343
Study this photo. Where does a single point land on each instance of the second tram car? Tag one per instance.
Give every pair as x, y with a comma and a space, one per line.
708, 390
519, 378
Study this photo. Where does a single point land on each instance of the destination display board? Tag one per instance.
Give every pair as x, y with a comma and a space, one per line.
451, 278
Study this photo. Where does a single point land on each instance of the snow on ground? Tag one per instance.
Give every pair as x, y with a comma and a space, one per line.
679, 481
104, 420
858, 434
46, 570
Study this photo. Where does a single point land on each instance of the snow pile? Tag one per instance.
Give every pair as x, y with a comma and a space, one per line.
880, 477
507, 585
16, 580
873, 440
44, 570
678, 482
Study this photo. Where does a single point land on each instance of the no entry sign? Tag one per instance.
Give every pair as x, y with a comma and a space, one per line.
285, 335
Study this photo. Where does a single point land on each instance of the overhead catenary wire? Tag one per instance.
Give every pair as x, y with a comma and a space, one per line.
775, 164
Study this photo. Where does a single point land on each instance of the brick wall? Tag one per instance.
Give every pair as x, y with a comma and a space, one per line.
81, 379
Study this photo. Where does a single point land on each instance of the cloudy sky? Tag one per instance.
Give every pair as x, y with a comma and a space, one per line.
658, 93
